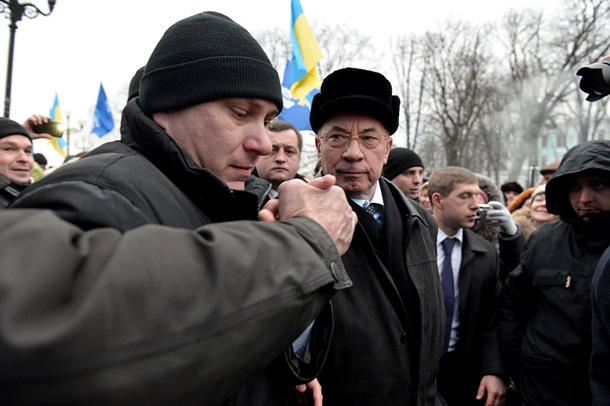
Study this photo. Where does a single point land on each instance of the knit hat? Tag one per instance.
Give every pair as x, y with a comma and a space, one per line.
206, 57
40, 159
134, 84
539, 191
359, 90
399, 160
9, 127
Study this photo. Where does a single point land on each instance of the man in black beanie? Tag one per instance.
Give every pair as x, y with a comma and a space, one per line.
16, 161
405, 169
389, 326
189, 141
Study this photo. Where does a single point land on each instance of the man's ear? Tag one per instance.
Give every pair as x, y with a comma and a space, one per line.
436, 200
318, 146
388, 147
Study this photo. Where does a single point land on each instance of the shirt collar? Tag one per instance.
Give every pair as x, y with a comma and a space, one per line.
441, 236
377, 197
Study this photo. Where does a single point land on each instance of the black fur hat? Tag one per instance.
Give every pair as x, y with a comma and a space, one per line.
359, 90
207, 57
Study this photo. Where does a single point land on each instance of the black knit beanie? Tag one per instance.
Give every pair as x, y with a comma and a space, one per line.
399, 160
207, 57
134, 84
358, 90
9, 127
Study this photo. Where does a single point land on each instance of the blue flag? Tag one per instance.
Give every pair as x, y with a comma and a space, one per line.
301, 78
104, 122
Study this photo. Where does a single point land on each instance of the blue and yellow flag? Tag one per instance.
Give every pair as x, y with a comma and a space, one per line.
104, 122
301, 78
58, 143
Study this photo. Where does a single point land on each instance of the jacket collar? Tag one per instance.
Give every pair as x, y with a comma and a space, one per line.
408, 203
204, 188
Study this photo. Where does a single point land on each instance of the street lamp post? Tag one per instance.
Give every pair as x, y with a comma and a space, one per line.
16, 11
69, 129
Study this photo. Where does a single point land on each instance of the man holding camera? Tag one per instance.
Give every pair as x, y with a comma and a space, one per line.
16, 159
471, 368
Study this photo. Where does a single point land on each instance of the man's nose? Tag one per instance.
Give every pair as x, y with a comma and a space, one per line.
586, 195
280, 156
259, 141
353, 149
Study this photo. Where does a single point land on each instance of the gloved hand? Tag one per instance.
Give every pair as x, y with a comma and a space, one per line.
501, 217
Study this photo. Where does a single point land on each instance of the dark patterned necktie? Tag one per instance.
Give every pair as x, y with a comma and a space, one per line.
447, 284
371, 208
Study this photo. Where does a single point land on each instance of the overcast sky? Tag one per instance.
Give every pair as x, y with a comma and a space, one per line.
85, 42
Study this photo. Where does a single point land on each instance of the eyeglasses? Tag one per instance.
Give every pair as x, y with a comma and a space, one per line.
340, 141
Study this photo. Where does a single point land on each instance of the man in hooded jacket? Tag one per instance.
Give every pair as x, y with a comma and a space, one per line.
545, 322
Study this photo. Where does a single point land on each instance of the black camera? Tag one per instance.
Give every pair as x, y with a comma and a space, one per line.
52, 127
595, 80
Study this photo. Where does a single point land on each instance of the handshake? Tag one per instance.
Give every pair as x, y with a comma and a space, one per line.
319, 200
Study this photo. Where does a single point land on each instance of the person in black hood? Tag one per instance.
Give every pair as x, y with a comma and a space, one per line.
545, 320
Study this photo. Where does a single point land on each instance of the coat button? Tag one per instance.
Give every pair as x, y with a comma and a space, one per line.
335, 270
403, 337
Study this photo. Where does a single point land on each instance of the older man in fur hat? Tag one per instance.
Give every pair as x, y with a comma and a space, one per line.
389, 327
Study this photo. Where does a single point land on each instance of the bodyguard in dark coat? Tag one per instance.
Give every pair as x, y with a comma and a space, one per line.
189, 141
545, 328
388, 329
471, 370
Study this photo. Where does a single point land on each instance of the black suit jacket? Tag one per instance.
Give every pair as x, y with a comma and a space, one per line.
480, 288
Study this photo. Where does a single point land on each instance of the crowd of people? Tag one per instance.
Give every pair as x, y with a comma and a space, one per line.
189, 262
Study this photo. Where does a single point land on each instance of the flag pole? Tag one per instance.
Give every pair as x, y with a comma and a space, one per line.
67, 134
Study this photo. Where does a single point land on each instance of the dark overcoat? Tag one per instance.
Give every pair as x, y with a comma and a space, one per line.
388, 337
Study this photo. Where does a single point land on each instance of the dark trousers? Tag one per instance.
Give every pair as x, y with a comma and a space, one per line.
458, 380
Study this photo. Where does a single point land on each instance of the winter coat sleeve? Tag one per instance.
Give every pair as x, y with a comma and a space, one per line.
511, 248
173, 315
600, 358
515, 309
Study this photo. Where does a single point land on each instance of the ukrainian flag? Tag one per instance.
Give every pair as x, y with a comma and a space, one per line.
301, 78
58, 143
